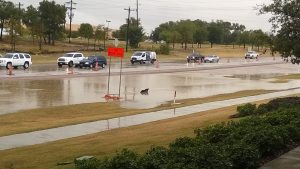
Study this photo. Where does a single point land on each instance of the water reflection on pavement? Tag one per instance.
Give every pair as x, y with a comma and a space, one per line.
22, 94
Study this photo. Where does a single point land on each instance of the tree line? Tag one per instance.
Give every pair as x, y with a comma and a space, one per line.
47, 23
215, 32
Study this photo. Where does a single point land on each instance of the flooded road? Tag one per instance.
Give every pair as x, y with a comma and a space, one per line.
23, 94
70, 131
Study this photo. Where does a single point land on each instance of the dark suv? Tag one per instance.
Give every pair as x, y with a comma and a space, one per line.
194, 57
92, 60
295, 60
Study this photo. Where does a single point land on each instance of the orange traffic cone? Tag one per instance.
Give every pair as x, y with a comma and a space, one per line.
10, 69
96, 67
69, 71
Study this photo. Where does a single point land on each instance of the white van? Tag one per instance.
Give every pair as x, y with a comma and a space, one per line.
143, 57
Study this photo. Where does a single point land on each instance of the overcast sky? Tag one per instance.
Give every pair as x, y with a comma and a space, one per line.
154, 12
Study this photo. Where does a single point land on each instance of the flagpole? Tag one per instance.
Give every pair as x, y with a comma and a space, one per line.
120, 77
174, 97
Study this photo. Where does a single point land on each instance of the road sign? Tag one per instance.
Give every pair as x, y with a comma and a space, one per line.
116, 42
116, 52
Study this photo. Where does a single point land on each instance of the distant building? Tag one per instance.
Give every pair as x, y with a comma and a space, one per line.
5, 31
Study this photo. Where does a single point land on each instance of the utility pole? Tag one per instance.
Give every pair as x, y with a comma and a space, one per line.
13, 41
128, 20
19, 5
71, 15
137, 13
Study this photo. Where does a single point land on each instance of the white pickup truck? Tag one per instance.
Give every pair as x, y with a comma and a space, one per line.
142, 57
15, 60
251, 55
70, 59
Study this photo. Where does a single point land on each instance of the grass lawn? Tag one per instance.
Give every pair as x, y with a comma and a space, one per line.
44, 118
139, 138
286, 78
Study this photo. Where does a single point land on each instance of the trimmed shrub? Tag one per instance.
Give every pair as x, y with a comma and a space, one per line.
88, 164
279, 103
214, 134
246, 110
126, 159
163, 49
242, 155
155, 158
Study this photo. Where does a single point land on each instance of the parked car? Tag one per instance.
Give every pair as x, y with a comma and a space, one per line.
211, 59
70, 59
92, 60
295, 60
15, 60
195, 57
251, 55
143, 57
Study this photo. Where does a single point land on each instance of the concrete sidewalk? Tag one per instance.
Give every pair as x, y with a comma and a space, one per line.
290, 160
54, 134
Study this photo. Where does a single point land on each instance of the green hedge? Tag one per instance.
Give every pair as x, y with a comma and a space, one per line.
242, 144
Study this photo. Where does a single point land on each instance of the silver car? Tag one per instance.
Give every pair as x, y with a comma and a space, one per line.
211, 59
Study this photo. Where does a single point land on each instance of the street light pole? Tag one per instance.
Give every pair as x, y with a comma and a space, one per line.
107, 21
109, 60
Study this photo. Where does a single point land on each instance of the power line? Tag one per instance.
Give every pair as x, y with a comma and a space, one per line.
71, 15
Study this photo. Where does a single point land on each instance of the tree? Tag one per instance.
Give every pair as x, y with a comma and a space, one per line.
14, 25
201, 33
135, 34
86, 31
186, 29
236, 32
243, 38
53, 18
99, 34
226, 31
214, 33
168, 26
286, 22
259, 38
32, 21
116, 34
6, 9
169, 36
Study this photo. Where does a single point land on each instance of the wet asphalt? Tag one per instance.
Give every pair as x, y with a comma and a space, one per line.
47, 85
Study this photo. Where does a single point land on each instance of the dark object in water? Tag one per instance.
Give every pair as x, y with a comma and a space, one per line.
145, 91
